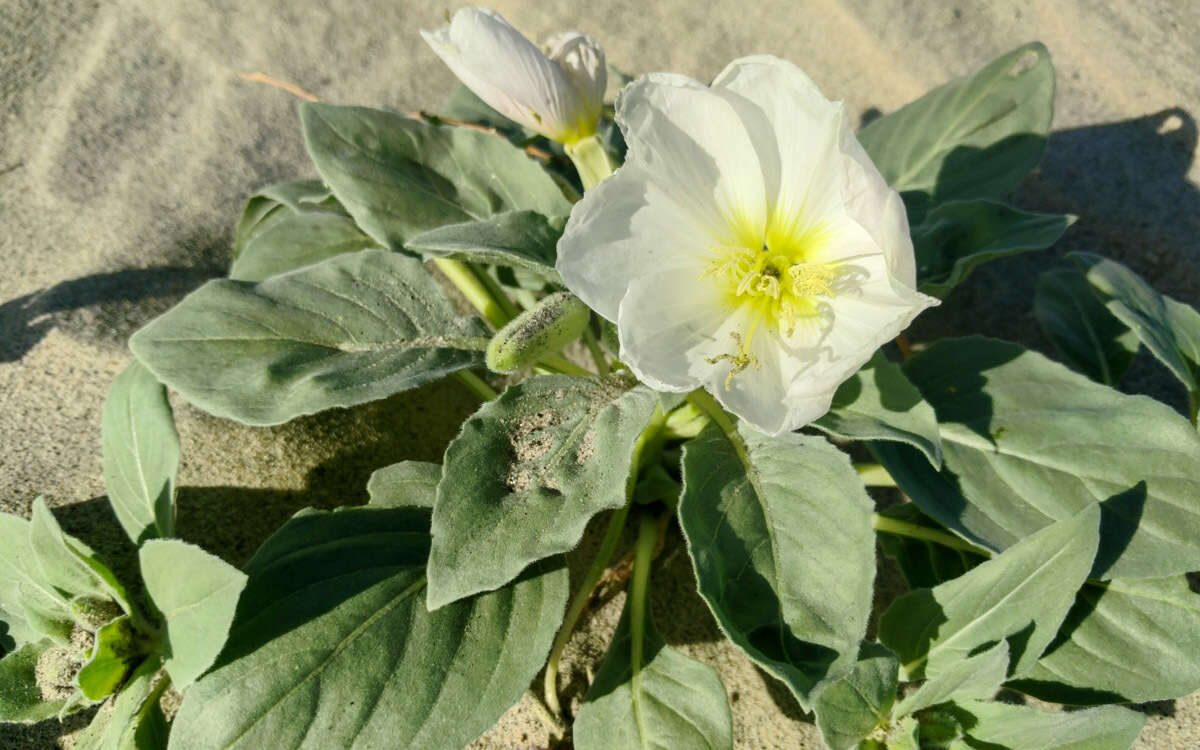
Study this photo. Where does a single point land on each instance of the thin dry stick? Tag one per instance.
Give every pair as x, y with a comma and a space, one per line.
291, 88
421, 114
905, 347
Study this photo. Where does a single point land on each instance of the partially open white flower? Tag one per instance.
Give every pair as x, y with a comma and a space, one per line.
748, 244
559, 93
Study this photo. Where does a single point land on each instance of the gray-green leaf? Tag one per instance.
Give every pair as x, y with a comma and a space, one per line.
1026, 728
34, 609
333, 646
1168, 328
1026, 442
399, 177
853, 707
352, 329
68, 564
22, 700
674, 702
276, 202
1124, 641
1022, 595
527, 472
408, 483
296, 241
878, 403
521, 239
779, 531
197, 594
141, 454
974, 137
956, 237
977, 676
133, 720
1089, 337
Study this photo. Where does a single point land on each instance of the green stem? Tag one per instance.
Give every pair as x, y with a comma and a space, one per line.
924, 533
613, 535
1194, 406
564, 365
590, 160
603, 555
643, 556
476, 385
476, 292
506, 304
589, 339
874, 475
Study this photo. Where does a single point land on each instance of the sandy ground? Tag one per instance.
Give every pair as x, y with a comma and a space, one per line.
127, 145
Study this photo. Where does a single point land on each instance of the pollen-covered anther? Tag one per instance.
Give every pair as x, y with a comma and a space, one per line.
741, 358
812, 279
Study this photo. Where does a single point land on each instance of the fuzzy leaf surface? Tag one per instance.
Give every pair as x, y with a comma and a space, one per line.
355, 328
526, 474
779, 532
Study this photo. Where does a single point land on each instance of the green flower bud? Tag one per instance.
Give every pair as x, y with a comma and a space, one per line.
553, 323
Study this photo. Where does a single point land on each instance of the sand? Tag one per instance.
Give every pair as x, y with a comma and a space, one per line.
128, 144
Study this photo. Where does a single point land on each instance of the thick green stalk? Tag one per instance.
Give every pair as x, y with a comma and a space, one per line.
476, 292
874, 475
924, 533
589, 339
590, 160
476, 385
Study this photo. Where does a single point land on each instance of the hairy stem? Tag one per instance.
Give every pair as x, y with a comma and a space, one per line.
476, 385
589, 339
643, 557
477, 292
874, 475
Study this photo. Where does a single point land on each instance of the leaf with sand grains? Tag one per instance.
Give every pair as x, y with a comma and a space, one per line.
527, 472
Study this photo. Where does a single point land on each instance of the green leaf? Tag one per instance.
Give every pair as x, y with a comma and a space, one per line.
977, 676
904, 735
34, 608
352, 329
297, 241
924, 564
673, 702
956, 237
406, 484
1123, 641
1022, 595
974, 137
332, 645
1025, 728
133, 720
1168, 328
399, 177
196, 594
1027, 442
276, 202
779, 532
68, 564
141, 454
520, 239
853, 707
1089, 337
118, 649
22, 700
527, 472
878, 403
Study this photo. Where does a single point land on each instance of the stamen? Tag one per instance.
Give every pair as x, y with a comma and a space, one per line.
741, 359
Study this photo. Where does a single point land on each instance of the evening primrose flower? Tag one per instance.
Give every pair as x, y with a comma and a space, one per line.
747, 246
559, 93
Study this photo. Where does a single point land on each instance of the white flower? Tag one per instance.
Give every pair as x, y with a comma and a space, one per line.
748, 245
559, 93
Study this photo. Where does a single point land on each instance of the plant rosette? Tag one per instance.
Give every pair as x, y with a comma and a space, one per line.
691, 296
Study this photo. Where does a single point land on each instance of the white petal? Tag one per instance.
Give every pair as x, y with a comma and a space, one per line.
623, 229
802, 133
695, 141
582, 59
667, 328
507, 71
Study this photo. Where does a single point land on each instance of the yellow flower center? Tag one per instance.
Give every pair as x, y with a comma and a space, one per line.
775, 288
